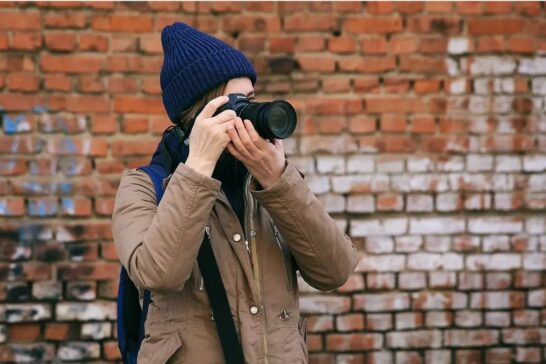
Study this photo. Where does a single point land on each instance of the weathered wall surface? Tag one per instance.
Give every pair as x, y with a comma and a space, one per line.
422, 129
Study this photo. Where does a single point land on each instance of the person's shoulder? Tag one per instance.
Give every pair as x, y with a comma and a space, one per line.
135, 180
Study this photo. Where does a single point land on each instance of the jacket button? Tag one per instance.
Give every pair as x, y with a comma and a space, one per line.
236, 237
253, 310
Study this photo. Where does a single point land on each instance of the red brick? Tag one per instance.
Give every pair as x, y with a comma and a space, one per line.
362, 124
332, 125
91, 84
60, 41
403, 44
393, 123
314, 343
281, 45
25, 41
108, 251
531, 8
79, 103
20, 20
138, 104
81, 208
497, 7
373, 25
111, 350
342, 45
367, 64
122, 23
521, 44
122, 85
423, 124
426, 86
422, 65
70, 63
14, 206
469, 7
133, 147
104, 206
380, 7
159, 124
93, 43
410, 7
350, 322
394, 104
88, 271
252, 23
103, 124
309, 23
310, 43
314, 64
430, 45
491, 44
65, 20
132, 125
57, 82
389, 202
353, 342
348, 6
434, 24
494, 26
57, 331
261, 6
375, 45
26, 82
24, 332
438, 7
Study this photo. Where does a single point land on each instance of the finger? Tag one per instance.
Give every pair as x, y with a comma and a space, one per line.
245, 138
254, 136
224, 116
236, 140
212, 106
231, 148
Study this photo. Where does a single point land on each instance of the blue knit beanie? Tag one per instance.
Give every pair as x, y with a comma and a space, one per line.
194, 63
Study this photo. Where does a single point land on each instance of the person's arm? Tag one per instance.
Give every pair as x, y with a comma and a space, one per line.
158, 244
325, 255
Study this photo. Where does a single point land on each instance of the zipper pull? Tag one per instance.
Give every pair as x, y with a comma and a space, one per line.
247, 248
207, 231
201, 284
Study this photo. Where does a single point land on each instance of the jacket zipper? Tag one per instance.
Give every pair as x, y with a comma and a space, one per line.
249, 223
286, 257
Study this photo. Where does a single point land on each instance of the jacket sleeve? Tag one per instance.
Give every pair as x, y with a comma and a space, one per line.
158, 244
325, 255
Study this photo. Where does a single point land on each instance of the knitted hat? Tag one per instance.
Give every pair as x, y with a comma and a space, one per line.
194, 63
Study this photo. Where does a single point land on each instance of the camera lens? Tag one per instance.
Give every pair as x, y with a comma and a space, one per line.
281, 119
276, 119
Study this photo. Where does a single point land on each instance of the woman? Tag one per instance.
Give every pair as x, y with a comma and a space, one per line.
263, 221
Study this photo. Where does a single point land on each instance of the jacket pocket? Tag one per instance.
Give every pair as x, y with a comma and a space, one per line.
160, 347
287, 258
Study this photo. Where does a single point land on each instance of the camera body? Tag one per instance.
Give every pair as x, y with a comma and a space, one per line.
275, 119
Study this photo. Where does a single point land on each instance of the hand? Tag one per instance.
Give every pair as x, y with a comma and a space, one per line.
263, 158
208, 137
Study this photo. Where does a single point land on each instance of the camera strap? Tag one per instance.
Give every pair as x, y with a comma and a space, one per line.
231, 346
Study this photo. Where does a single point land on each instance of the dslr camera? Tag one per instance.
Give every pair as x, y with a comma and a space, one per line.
275, 119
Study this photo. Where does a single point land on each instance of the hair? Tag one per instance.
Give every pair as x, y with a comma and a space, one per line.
186, 116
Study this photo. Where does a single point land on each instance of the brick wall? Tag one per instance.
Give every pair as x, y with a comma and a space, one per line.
422, 129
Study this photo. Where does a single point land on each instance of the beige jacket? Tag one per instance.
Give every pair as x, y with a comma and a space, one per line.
284, 225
